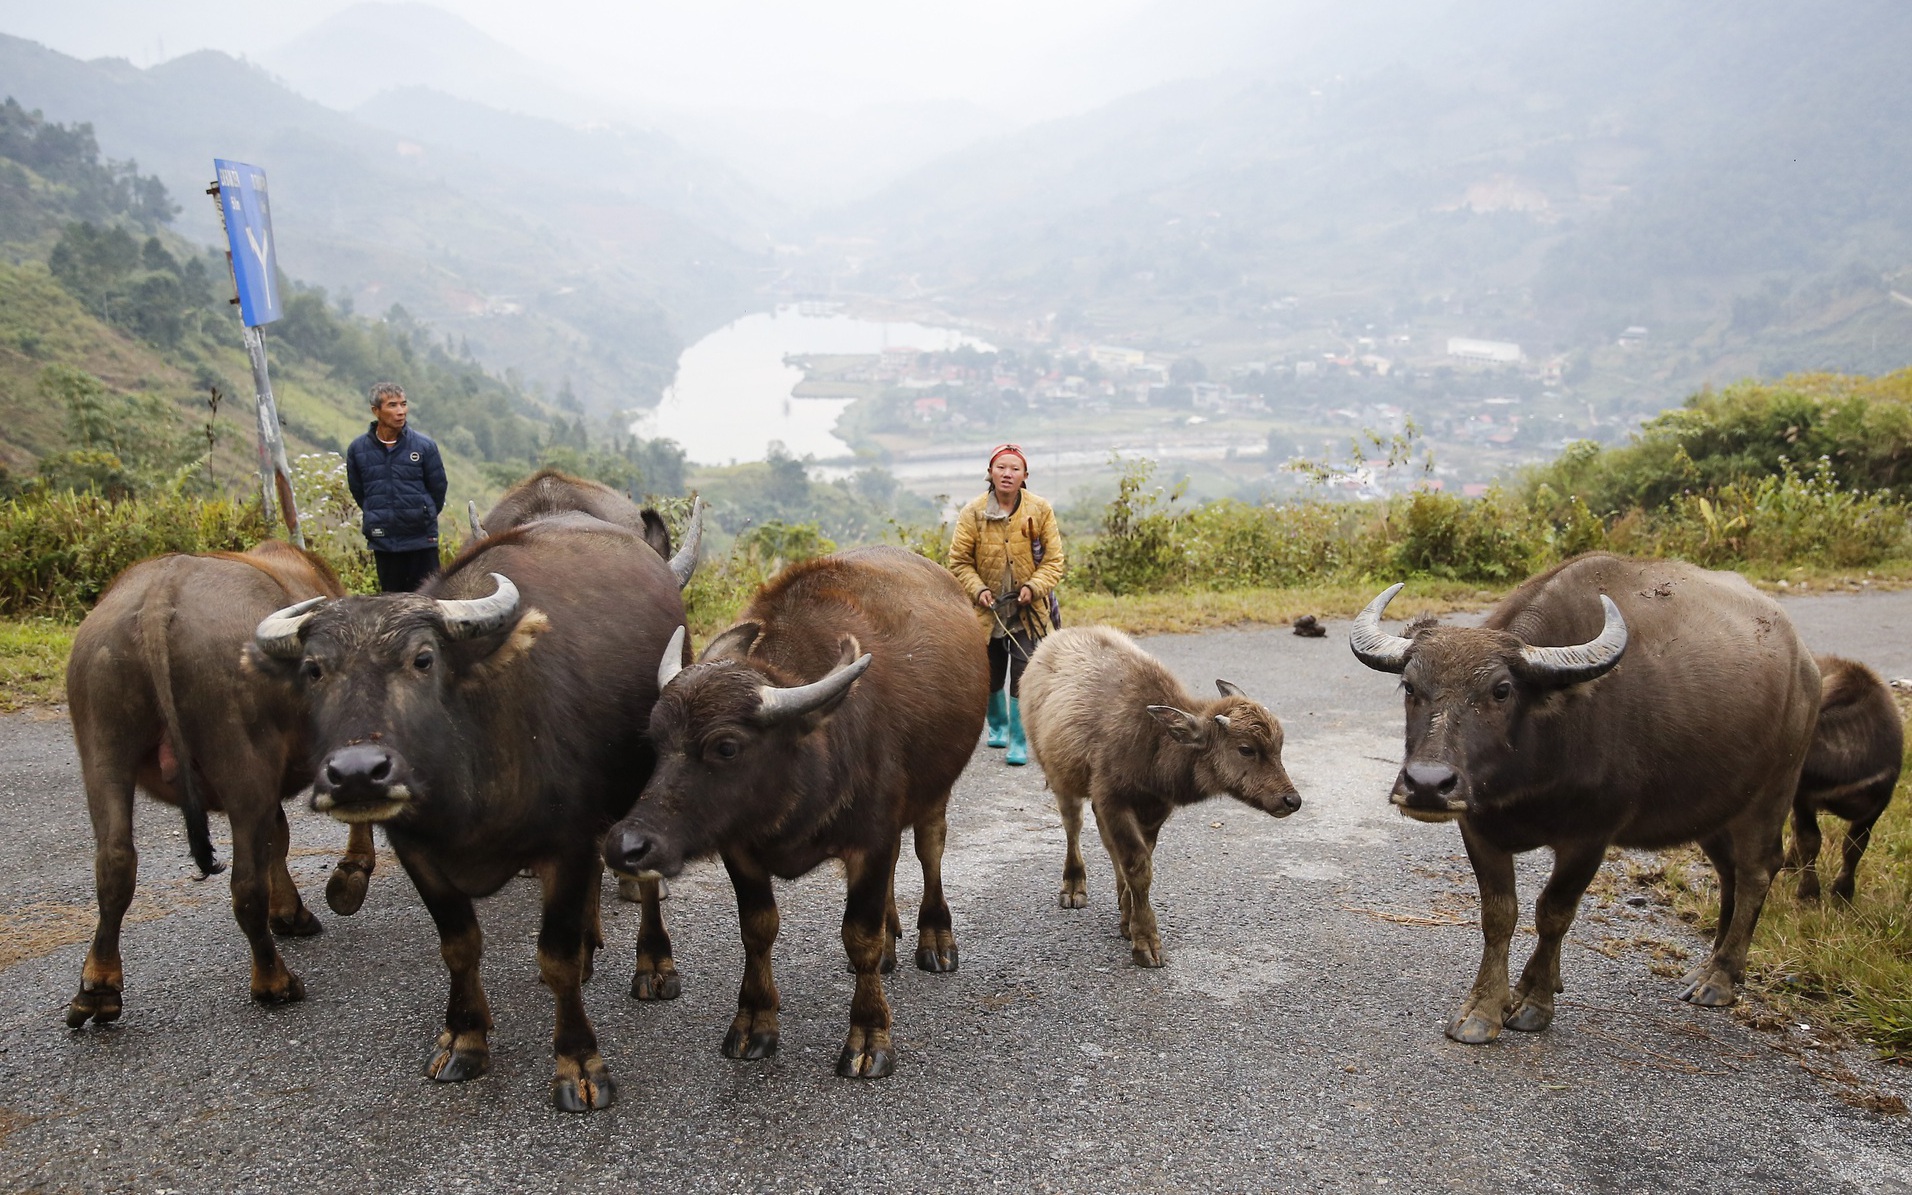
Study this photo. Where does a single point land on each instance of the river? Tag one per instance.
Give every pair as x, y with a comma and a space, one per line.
732, 396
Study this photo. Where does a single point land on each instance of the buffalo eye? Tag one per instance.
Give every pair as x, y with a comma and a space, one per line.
1503, 689
1247, 752
423, 660
1407, 688
725, 749
311, 670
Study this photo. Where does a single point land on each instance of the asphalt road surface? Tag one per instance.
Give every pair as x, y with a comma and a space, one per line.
1293, 1041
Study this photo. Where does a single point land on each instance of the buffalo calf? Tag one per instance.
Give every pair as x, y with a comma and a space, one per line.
1111, 726
1851, 770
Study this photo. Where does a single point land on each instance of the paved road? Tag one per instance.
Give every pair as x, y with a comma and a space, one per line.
1292, 1043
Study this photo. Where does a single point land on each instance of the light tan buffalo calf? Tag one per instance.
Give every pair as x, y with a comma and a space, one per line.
1111, 726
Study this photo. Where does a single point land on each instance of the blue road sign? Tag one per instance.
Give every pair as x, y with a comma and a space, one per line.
248, 218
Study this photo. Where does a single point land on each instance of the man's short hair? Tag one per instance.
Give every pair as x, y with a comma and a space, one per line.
385, 390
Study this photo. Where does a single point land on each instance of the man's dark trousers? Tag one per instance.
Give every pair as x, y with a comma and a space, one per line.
404, 572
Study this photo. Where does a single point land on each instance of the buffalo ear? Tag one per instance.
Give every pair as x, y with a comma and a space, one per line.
732, 644
656, 534
1229, 689
1182, 726
848, 649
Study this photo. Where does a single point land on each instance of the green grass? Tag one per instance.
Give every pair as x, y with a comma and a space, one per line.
33, 654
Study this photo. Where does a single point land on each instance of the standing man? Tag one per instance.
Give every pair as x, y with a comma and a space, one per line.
399, 483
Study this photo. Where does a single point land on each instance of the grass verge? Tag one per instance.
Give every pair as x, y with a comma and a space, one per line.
33, 654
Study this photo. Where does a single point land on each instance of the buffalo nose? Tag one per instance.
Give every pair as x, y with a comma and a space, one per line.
626, 849
359, 769
1429, 783
1291, 800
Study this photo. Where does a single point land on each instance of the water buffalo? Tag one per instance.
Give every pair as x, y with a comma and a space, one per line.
1851, 770
774, 754
160, 702
492, 722
1607, 701
1111, 726
550, 491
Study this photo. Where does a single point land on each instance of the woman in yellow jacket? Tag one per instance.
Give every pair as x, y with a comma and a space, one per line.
1007, 554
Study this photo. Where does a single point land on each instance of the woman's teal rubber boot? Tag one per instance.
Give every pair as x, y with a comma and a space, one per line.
998, 719
1018, 745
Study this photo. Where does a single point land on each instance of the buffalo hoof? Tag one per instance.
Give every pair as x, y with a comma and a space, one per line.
656, 985
582, 1088
864, 1059
1073, 896
937, 958
458, 1062
1474, 1029
1709, 990
750, 1046
1530, 1017
289, 989
300, 925
1146, 954
345, 891
94, 1002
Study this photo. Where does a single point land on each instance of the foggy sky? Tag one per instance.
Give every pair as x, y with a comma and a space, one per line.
1025, 59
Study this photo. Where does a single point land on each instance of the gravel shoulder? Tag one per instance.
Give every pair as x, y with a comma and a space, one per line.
1292, 1042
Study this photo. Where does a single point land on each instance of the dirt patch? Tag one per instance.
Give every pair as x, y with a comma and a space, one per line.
38, 929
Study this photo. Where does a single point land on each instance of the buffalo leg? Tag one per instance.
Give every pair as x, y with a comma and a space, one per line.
345, 891
936, 935
1130, 848
583, 1082
656, 975
892, 922
1748, 853
1482, 1014
109, 801
1858, 837
1574, 868
255, 843
1803, 854
753, 1034
290, 917
463, 1050
867, 1051
1075, 876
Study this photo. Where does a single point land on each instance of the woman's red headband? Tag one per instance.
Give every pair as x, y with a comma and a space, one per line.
1013, 449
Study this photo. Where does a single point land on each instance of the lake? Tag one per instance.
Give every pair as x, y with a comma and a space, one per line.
732, 399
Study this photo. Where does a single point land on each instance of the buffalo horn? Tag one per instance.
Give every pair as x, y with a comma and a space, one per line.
1372, 645
673, 661
1221, 720
480, 616
1572, 665
779, 704
278, 634
471, 512
685, 562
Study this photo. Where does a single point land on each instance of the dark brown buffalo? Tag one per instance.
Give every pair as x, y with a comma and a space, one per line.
1112, 727
550, 491
1607, 701
1851, 771
160, 702
494, 722
774, 754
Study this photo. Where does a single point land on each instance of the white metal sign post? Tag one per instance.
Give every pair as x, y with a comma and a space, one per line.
246, 215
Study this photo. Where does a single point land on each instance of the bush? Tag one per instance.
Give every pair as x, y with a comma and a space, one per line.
1492, 538
60, 550
1788, 518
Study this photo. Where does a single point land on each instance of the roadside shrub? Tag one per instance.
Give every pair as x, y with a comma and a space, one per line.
1788, 518
1140, 547
60, 550
1492, 538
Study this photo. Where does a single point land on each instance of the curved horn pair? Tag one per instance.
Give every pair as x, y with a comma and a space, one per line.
1553, 665
281, 634
774, 704
685, 562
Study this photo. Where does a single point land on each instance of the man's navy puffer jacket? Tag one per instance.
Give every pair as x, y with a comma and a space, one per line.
401, 489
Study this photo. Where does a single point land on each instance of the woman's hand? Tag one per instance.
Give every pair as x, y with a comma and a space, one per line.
986, 599
1024, 596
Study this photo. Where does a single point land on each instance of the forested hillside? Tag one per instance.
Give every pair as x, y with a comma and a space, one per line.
117, 336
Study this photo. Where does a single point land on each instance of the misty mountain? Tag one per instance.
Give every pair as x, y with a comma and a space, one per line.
360, 51
1545, 173
559, 276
